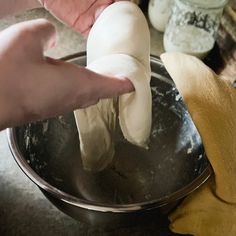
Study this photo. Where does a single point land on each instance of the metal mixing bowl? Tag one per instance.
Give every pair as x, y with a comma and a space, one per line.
138, 183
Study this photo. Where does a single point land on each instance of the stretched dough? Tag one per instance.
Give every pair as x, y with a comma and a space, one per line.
120, 29
118, 44
211, 101
96, 126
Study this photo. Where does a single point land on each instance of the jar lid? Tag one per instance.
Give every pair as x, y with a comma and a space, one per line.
209, 4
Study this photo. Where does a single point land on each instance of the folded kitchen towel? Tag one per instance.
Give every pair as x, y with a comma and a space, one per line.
211, 101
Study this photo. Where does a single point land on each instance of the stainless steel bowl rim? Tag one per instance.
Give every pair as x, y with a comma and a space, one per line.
115, 208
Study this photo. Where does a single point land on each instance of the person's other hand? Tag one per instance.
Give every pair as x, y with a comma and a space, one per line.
78, 14
34, 87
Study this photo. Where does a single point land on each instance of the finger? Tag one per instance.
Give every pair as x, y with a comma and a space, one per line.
92, 86
72, 12
43, 33
91, 16
108, 86
65, 87
86, 19
35, 36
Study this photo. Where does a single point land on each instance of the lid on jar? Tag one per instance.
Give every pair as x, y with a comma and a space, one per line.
206, 3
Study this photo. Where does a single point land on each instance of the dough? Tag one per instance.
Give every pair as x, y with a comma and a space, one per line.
211, 101
96, 126
120, 29
118, 44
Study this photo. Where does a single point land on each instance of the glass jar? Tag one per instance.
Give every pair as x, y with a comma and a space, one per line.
193, 26
159, 12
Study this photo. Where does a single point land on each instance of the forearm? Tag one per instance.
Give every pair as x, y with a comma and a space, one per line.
9, 7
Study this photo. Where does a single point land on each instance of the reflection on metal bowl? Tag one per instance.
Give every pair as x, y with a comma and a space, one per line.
139, 183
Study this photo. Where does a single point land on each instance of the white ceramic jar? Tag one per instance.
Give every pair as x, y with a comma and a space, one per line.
159, 12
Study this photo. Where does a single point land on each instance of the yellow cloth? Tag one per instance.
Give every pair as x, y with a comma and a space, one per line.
211, 101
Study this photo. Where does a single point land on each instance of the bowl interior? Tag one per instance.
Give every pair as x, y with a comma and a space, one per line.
174, 160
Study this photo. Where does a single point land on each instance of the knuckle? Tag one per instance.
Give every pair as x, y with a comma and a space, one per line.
32, 35
22, 33
31, 29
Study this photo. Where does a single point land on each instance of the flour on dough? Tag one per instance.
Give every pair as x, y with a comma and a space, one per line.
118, 44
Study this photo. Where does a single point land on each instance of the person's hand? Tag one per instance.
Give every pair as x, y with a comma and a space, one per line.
78, 14
34, 87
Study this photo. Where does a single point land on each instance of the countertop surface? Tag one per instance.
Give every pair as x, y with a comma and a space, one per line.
23, 208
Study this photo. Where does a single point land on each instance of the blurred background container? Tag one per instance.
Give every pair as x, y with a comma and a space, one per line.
193, 26
159, 12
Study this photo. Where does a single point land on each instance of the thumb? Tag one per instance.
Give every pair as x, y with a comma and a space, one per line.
67, 87
101, 85
110, 86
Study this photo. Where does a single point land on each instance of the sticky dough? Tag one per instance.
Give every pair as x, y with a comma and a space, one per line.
118, 45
